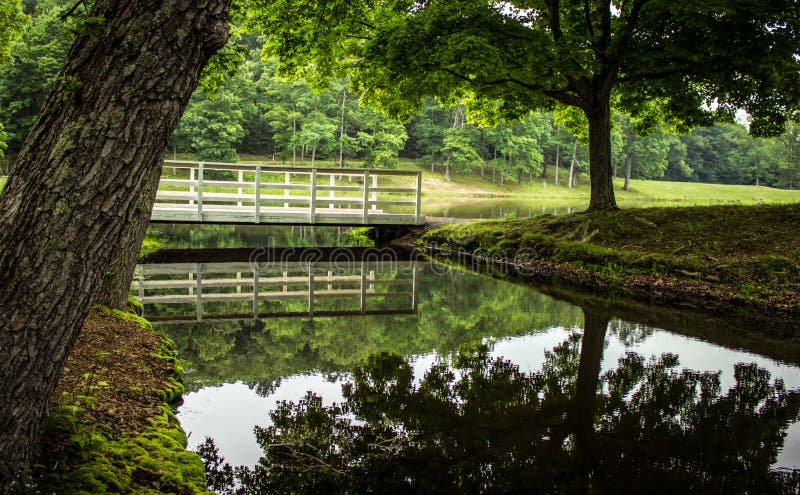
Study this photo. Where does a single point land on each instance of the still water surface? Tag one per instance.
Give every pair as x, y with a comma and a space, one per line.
309, 326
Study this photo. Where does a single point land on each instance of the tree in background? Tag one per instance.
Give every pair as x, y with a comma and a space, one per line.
12, 21
379, 140
426, 131
460, 149
35, 59
512, 57
649, 153
785, 153
212, 126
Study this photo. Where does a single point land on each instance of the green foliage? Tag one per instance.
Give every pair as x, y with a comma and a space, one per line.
210, 128
37, 57
12, 23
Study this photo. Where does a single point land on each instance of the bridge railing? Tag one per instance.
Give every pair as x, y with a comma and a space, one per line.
215, 291
243, 193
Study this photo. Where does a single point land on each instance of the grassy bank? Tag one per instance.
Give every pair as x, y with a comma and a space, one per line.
112, 428
726, 256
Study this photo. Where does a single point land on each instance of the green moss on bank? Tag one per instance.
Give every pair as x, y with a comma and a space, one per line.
85, 457
155, 461
749, 252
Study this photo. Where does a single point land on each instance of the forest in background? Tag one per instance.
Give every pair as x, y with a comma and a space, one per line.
258, 113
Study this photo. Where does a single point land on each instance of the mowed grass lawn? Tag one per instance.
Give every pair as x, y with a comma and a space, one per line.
693, 193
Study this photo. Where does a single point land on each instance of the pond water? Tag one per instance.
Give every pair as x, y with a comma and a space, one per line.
462, 380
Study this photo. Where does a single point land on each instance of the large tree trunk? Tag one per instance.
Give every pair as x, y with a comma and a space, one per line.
602, 187
77, 194
117, 278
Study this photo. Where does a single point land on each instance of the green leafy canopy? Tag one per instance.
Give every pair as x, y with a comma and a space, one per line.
523, 55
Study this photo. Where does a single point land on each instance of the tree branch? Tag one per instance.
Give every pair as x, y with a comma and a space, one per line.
588, 16
605, 30
563, 95
614, 63
555, 20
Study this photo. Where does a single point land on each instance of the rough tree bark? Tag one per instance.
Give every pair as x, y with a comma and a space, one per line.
79, 191
118, 276
602, 188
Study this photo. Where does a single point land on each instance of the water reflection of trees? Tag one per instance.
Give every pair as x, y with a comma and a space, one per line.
452, 310
479, 425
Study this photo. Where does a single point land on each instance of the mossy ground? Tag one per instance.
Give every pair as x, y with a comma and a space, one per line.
112, 427
750, 254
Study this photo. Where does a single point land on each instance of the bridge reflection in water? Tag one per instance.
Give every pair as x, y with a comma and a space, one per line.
242, 290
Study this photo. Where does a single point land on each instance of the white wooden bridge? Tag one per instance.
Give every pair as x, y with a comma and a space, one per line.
241, 290
201, 192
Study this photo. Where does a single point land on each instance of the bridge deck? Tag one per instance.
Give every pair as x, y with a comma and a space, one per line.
199, 192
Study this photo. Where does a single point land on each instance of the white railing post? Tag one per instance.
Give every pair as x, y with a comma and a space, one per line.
200, 193
191, 187
374, 193
418, 198
366, 196
258, 194
312, 204
239, 191
332, 184
286, 180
